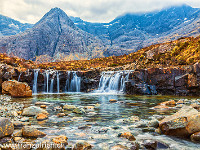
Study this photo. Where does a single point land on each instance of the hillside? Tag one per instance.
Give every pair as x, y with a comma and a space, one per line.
181, 52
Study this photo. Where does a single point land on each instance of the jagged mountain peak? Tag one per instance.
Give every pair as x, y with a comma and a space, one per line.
56, 16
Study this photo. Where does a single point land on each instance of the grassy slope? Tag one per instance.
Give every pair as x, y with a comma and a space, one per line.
184, 51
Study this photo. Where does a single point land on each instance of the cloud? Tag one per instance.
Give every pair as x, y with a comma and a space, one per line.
90, 10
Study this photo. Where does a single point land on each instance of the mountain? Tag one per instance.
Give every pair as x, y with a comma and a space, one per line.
10, 26
57, 36
54, 36
131, 32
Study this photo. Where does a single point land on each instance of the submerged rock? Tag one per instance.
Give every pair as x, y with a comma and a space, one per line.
30, 132
41, 117
82, 145
195, 137
18, 124
119, 147
168, 103
79, 111
112, 101
69, 107
61, 139
153, 123
33, 111
183, 123
150, 144
127, 135
16, 89
6, 127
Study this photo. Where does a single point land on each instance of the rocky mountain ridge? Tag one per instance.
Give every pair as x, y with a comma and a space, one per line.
9, 26
54, 36
59, 37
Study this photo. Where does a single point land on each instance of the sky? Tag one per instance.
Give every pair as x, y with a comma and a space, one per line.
31, 11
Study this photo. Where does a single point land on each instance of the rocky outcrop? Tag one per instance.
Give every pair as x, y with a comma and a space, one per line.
165, 81
183, 123
16, 89
6, 127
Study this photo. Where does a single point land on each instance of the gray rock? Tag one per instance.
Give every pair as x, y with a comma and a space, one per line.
33, 110
6, 127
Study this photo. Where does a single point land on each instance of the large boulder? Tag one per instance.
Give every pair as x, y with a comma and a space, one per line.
33, 111
30, 132
6, 127
16, 89
183, 123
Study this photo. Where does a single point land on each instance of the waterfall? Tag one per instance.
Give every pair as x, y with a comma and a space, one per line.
58, 82
123, 81
47, 76
74, 84
35, 81
67, 85
51, 86
113, 81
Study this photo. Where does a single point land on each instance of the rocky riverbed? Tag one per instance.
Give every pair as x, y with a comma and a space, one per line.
91, 121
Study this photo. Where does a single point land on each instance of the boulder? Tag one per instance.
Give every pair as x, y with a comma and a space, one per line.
183, 123
41, 117
196, 67
127, 135
33, 111
112, 100
16, 89
6, 127
195, 137
61, 115
82, 145
60, 140
150, 144
30, 132
18, 124
168, 103
69, 107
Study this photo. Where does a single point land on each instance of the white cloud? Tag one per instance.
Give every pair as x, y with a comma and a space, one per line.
90, 10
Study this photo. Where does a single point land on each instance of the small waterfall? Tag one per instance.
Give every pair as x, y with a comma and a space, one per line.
73, 83
123, 82
58, 82
51, 86
113, 81
35, 81
47, 77
67, 85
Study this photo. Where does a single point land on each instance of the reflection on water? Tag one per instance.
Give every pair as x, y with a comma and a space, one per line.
105, 115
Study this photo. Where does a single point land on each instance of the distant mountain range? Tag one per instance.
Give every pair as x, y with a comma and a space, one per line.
59, 36
10, 26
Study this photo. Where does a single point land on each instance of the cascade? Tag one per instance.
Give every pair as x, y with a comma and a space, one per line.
112, 81
35, 81
74, 84
58, 82
47, 76
51, 85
